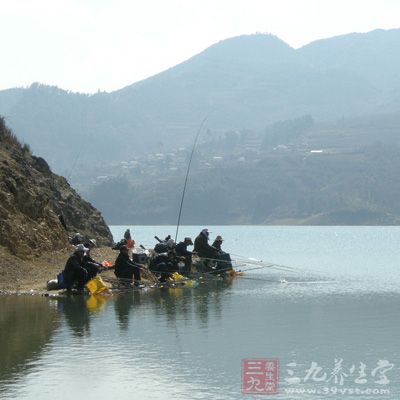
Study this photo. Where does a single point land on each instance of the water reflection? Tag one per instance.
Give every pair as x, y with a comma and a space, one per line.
123, 304
26, 326
183, 303
192, 303
76, 314
189, 342
96, 302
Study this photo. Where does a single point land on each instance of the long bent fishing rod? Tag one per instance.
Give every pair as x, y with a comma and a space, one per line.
187, 175
255, 265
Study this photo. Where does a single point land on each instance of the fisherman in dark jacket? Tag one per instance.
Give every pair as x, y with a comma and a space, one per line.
182, 251
206, 252
164, 264
92, 267
201, 246
218, 243
225, 262
74, 272
125, 268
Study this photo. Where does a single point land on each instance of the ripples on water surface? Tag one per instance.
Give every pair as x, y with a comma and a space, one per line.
341, 307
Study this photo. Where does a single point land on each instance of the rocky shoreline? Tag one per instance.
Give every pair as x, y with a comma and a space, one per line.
39, 211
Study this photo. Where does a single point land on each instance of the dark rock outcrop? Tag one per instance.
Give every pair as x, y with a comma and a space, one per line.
32, 199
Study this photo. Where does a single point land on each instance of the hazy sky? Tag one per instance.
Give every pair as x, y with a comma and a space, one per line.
87, 45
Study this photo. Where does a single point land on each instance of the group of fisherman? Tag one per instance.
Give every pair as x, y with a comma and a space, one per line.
167, 257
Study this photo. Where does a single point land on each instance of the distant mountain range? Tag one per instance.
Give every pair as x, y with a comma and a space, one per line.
306, 136
242, 82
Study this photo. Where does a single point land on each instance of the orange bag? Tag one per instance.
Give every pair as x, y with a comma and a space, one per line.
107, 264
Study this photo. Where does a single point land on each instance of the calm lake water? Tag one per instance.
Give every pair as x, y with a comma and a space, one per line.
330, 328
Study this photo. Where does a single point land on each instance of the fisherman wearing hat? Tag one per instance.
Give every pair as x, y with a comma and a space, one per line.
182, 251
218, 242
74, 272
225, 261
201, 246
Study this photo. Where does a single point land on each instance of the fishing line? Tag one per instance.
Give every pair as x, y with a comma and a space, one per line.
187, 175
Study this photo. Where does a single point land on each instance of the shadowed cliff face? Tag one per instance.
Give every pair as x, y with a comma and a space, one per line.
31, 200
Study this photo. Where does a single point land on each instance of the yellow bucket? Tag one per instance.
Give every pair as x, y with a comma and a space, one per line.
176, 276
96, 285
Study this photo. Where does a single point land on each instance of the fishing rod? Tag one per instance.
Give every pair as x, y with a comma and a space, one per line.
74, 163
273, 266
187, 175
254, 261
252, 278
81, 148
222, 270
259, 264
279, 267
